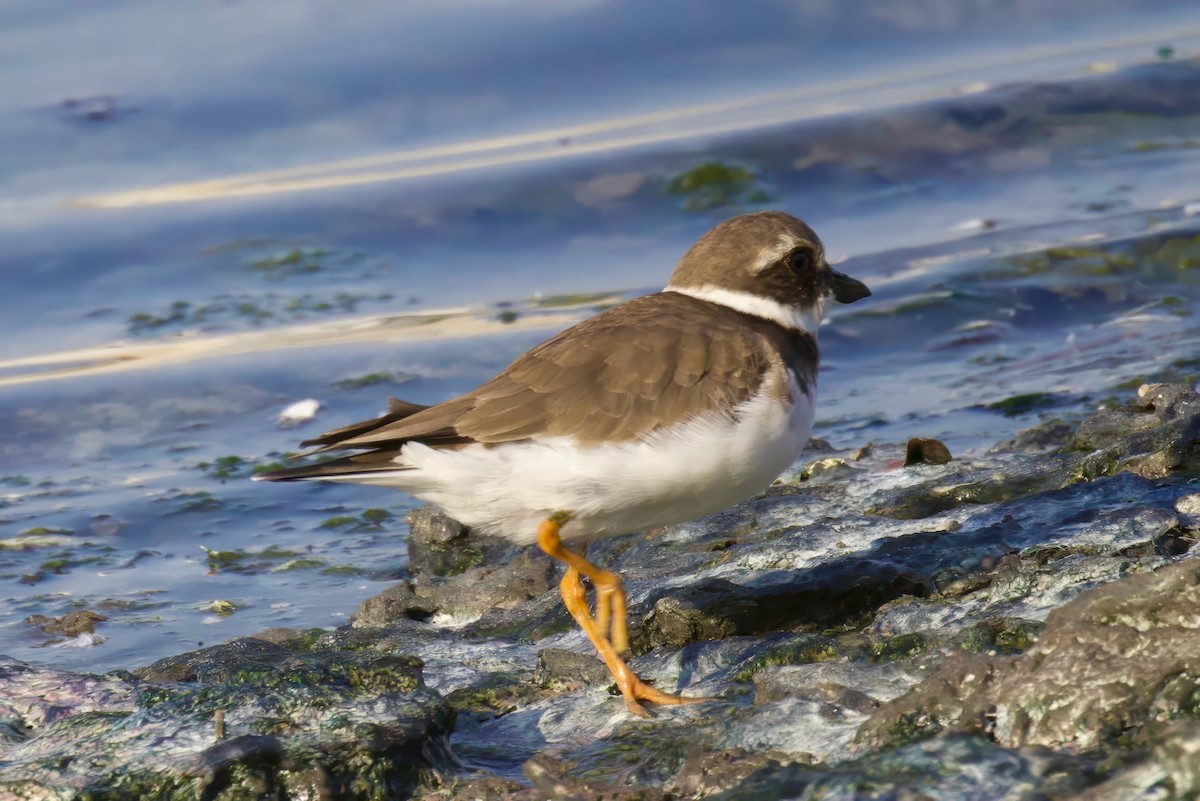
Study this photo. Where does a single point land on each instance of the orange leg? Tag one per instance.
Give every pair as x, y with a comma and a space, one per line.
611, 616
610, 604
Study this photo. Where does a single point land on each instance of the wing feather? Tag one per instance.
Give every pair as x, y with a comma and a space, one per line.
643, 365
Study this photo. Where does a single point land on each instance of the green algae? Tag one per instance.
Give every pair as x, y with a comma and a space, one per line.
222, 607
225, 467
373, 379
1005, 636
714, 184
222, 560
255, 310
498, 695
803, 651
289, 263
343, 570
1024, 403
299, 564
44, 531
198, 501
372, 518
902, 646
376, 515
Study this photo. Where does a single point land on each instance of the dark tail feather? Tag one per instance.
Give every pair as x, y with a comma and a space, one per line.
397, 410
347, 465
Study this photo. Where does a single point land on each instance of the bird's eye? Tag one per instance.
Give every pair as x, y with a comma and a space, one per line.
800, 260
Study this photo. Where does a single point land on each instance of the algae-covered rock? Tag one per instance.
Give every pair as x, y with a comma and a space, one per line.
1118, 657
869, 630
248, 719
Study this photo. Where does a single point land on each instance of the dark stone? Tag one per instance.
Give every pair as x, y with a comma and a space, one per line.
441, 546
926, 451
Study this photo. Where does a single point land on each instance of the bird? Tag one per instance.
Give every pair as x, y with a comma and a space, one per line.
656, 411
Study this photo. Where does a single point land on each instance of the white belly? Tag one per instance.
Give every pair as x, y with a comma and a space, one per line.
705, 466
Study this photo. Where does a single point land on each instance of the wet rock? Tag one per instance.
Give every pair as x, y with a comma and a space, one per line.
963, 641
482, 590
553, 779
244, 719
1156, 436
926, 451
466, 597
841, 685
496, 694
1172, 765
398, 602
1118, 657
485, 788
707, 774
297, 639
572, 667
1189, 505
1000, 635
788, 650
1041, 438
441, 546
966, 485
1018, 405
676, 621
830, 469
952, 767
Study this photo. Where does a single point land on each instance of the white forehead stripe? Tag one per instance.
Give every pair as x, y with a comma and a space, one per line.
773, 253
804, 319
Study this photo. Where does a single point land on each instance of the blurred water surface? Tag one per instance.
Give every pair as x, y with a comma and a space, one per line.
214, 209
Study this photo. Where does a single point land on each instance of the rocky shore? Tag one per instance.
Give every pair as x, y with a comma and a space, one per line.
1023, 624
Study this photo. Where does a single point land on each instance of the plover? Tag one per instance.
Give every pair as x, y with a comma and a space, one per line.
659, 410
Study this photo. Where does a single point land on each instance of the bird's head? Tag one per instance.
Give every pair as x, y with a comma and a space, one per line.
768, 264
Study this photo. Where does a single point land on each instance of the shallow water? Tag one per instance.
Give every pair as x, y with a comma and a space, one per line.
1034, 249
